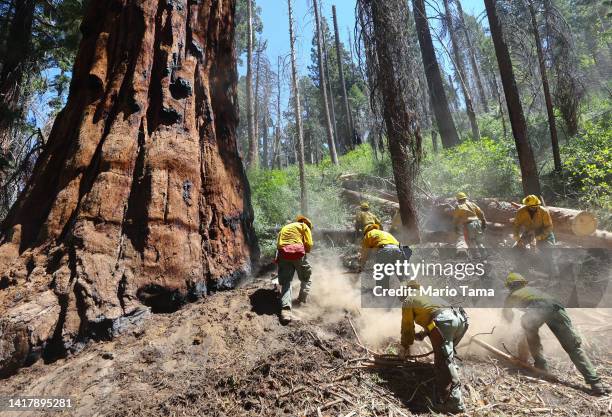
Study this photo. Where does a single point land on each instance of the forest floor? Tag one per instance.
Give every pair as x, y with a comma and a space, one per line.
227, 355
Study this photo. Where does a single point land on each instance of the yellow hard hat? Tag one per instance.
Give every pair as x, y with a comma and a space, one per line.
461, 196
364, 205
514, 279
369, 227
305, 220
413, 283
531, 201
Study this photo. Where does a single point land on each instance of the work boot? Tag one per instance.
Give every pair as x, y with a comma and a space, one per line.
449, 408
285, 316
302, 299
542, 366
598, 389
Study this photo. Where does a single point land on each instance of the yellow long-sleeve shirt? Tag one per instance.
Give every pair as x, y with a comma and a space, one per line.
295, 233
540, 223
365, 217
375, 239
419, 310
466, 212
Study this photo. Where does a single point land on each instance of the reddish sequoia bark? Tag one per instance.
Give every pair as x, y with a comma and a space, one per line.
140, 196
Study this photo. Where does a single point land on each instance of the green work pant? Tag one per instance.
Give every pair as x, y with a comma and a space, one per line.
451, 325
474, 236
286, 269
558, 321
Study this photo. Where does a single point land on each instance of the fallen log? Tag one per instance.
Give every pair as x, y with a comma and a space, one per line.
574, 226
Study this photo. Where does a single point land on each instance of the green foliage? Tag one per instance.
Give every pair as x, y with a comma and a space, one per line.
588, 164
481, 168
276, 194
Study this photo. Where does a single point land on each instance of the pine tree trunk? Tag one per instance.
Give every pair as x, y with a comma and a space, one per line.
439, 102
395, 79
325, 100
348, 139
265, 144
529, 170
140, 197
14, 67
472, 54
252, 153
299, 149
461, 73
552, 124
256, 101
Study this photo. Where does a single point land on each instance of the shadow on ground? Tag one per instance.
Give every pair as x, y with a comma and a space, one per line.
264, 301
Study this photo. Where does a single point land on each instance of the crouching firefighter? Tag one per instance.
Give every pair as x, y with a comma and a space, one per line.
445, 326
293, 243
387, 249
470, 221
533, 227
540, 308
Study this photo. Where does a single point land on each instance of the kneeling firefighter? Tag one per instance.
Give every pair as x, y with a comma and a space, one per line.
445, 326
293, 244
387, 247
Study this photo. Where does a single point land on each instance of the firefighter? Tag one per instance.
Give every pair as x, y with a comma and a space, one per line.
540, 308
293, 244
365, 217
533, 227
445, 326
469, 219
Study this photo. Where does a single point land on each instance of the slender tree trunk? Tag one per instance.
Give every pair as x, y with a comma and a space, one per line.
332, 104
252, 153
256, 100
140, 198
439, 102
265, 145
529, 170
278, 128
348, 139
461, 72
552, 124
472, 54
395, 78
298, 115
14, 69
500, 104
325, 101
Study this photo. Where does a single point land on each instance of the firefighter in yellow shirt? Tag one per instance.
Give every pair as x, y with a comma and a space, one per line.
533, 226
365, 217
469, 219
293, 243
445, 326
387, 250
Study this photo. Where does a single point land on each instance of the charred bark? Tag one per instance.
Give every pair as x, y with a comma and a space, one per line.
439, 102
529, 170
395, 80
140, 198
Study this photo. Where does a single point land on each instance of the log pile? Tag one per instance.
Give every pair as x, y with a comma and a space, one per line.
574, 226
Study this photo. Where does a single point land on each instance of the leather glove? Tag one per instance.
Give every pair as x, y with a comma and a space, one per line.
420, 336
484, 225
403, 352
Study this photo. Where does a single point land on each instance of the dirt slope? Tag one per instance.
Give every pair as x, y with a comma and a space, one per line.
227, 355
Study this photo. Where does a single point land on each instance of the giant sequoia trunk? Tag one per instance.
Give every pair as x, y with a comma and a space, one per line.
140, 197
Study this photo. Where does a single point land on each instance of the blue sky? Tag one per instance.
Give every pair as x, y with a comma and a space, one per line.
276, 25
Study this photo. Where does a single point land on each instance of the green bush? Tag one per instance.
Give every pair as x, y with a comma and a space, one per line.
587, 165
484, 168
